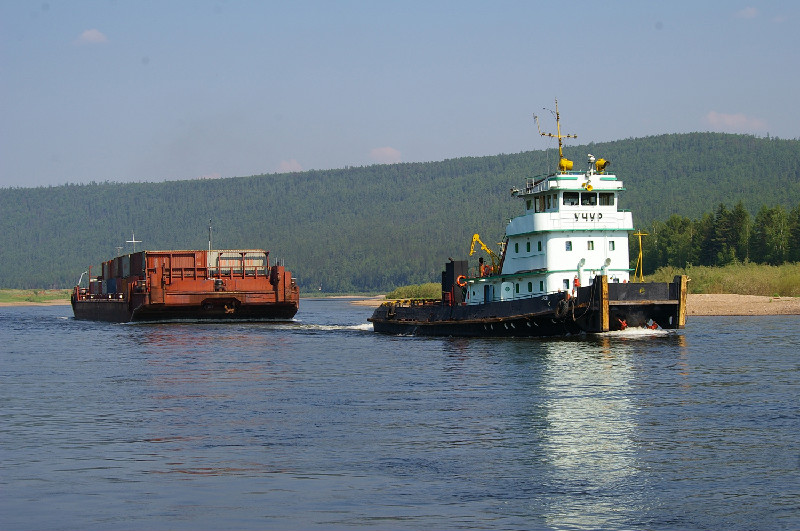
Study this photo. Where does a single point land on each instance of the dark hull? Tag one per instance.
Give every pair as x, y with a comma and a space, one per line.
119, 311
598, 308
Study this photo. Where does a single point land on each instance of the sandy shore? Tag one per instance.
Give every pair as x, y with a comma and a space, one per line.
700, 304
714, 304
58, 302
721, 304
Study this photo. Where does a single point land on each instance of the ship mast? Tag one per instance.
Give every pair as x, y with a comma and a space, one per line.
563, 163
639, 271
134, 241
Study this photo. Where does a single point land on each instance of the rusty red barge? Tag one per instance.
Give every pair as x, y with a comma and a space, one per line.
235, 284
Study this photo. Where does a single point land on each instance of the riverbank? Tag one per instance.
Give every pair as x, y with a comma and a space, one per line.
34, 297
56, 302
729, 304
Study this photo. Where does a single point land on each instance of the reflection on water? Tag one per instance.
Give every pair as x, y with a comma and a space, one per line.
589, 428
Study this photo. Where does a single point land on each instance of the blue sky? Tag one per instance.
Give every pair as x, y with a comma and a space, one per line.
165, 90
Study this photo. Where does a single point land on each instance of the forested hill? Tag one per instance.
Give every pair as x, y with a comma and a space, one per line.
372, 228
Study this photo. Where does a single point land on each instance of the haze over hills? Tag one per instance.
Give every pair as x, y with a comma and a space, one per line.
376, 227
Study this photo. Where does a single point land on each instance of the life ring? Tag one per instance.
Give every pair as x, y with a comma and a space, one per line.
461, 280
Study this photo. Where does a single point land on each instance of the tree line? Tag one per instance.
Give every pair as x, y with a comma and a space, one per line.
373, 228
723, 237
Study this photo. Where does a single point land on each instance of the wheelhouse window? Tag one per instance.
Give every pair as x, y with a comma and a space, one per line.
588, 198
606, 199
571, 198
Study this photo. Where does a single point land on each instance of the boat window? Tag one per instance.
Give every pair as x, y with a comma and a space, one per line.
566, 284
539, 245
571, 198
568, 246
530, 287
611, 245
528, 204
548, 202
516, 247
590, 245
606, 199
541, 285
528, 247
588, 198
516, 288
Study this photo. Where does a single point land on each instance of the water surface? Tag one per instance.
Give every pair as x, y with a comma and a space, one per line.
321, 423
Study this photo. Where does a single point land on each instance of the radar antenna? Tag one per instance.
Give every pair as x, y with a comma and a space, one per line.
563, 164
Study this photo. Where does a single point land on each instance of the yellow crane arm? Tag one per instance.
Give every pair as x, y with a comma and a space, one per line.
492, 255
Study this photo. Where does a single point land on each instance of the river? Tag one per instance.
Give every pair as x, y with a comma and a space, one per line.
323, 424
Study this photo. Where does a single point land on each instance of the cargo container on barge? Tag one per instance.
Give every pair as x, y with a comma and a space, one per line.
563, 268
237, 284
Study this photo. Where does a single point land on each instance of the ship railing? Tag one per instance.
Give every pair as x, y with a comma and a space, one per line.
101, 296
475, 272
532, 182
412, 302
237, 272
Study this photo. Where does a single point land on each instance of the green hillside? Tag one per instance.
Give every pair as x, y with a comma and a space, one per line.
377, 227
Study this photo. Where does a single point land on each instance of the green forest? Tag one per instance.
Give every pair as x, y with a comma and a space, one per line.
724, 237
703, 198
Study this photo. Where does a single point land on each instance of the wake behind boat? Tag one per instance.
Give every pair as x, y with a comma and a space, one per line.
563, 269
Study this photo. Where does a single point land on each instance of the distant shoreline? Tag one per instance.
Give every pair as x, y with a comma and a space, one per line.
55, 302
697, 304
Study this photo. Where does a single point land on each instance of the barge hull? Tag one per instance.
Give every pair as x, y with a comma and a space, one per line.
225, 285
119, 312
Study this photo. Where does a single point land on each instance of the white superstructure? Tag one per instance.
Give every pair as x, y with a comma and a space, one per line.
572, 230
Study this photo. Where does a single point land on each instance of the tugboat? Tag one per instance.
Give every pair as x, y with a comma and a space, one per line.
563, 269
222, 285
